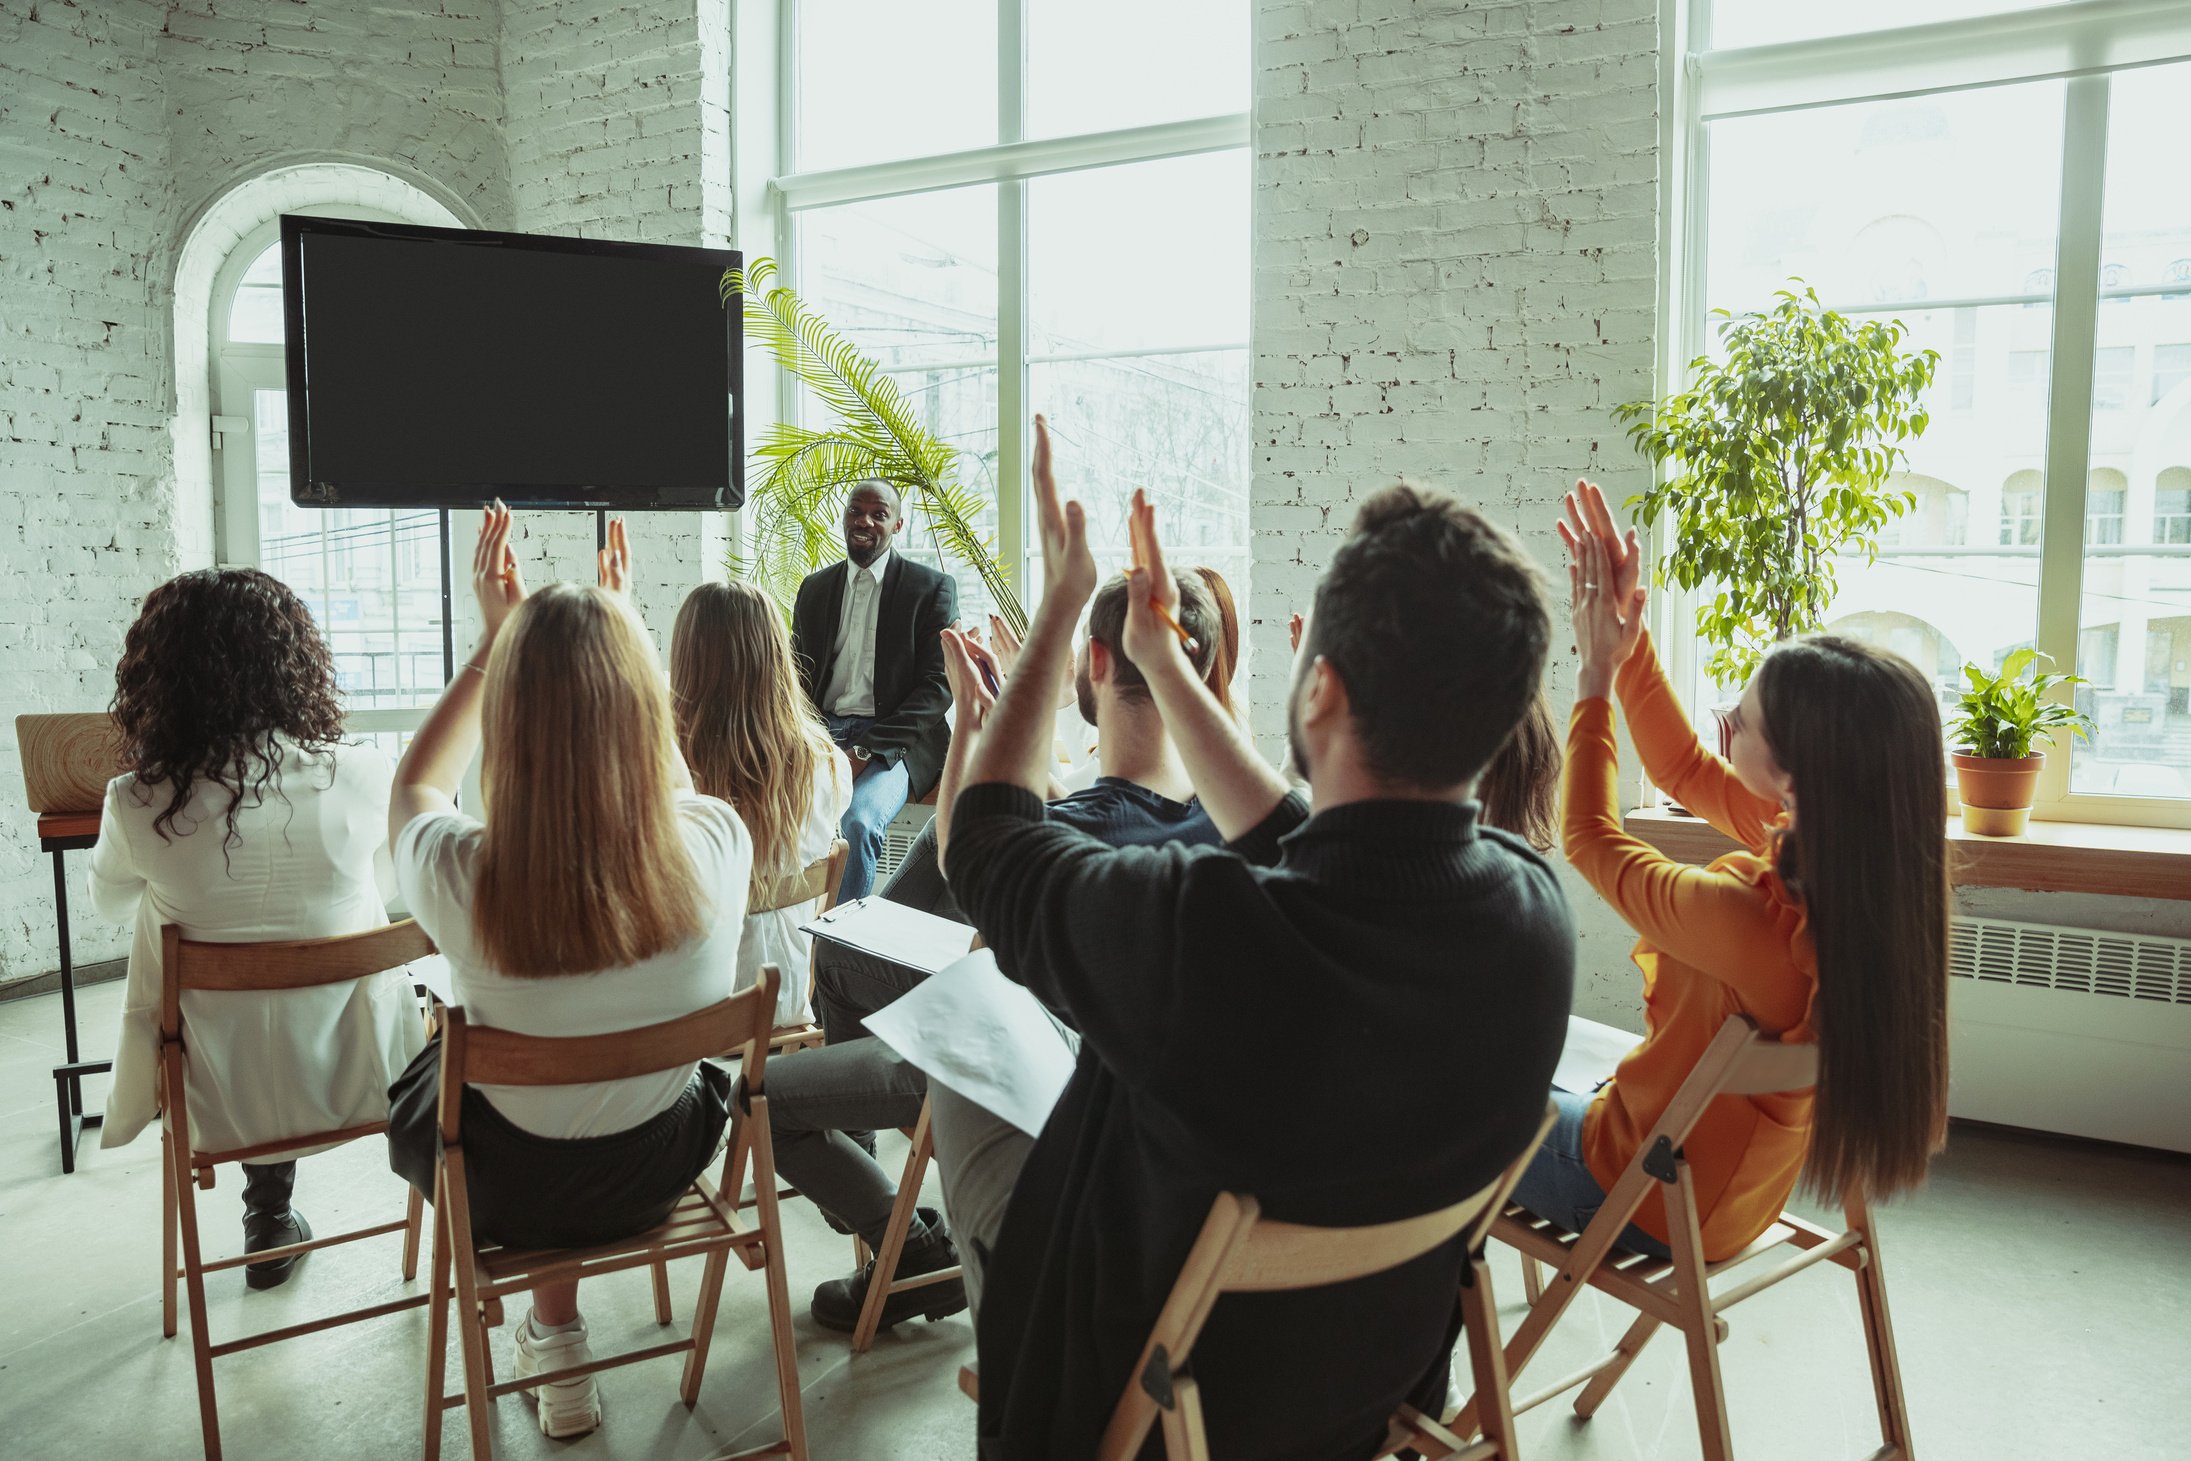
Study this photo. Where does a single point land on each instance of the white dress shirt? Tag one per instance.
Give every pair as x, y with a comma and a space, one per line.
851, 687
262, 1067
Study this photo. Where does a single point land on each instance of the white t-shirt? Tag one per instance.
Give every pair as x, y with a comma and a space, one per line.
774, 938
437, 857
262, 1067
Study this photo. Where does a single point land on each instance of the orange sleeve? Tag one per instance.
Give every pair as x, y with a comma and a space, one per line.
1714, 922
1677, 763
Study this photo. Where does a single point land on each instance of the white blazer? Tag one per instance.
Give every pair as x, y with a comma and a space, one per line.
262, 1067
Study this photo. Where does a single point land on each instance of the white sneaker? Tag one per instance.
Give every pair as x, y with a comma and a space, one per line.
567, 1407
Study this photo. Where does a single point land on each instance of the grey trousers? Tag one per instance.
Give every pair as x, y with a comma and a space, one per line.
816, 1099
979, 1155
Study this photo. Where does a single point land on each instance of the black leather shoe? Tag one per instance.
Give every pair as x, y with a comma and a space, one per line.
927, 1248
270, 1222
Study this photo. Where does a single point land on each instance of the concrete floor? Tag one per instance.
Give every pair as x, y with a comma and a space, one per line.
2041, 1291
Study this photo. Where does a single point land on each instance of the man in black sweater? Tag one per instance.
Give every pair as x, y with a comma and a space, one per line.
1351, 1016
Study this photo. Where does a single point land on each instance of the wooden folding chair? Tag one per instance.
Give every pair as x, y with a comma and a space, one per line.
1738, 1062
818, 879
1240, 1251
705, 1222
259, 968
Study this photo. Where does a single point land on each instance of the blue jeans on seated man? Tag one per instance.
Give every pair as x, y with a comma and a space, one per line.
877, 798
1558, 1187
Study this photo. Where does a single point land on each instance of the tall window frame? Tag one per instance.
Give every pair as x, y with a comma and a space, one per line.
2085, 46
1013, 162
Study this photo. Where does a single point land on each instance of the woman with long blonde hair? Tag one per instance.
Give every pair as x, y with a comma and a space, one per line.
600, 893
751, 737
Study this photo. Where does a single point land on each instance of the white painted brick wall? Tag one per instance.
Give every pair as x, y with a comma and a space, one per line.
85, 501
1455, 279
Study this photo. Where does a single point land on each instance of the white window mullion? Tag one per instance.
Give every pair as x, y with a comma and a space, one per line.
2069, 404
1012, 423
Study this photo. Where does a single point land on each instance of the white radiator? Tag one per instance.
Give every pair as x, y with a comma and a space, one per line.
898, 838
2071, 1030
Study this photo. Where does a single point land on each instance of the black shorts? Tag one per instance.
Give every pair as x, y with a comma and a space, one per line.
530, 1191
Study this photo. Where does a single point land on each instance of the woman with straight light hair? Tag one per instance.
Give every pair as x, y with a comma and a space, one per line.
751, 737
601, 893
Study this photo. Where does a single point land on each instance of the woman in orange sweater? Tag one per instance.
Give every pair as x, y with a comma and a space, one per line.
1830, 926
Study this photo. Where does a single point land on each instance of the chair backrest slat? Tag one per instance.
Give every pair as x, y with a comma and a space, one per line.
291, 963
818, 879
488, 1056
1288, 1256
1766, 1066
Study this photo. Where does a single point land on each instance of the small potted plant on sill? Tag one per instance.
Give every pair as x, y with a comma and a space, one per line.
1996, 771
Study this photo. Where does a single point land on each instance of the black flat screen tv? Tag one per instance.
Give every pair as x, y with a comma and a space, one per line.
444, 367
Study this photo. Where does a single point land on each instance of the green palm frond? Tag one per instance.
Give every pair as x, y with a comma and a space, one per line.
803, 475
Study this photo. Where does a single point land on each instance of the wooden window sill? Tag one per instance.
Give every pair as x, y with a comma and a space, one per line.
2053, 857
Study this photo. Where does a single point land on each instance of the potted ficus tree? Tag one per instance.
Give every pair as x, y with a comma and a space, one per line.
806, 472
1996, 770
1778, 461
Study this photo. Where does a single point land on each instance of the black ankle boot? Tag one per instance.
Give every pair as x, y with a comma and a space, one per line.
928, 1247
270, 1222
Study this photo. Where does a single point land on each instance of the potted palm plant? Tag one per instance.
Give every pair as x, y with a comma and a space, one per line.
806, 472
1996, 771
1780, 457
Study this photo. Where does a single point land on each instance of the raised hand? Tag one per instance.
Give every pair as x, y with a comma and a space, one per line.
1068, 567
1608, 624
1294, 623
1152, 595
614, 562
963, 662
497, 583
1588, 516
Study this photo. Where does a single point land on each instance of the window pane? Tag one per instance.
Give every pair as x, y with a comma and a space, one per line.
960, 406
1185, 58
1175, 425
1094, 282
1938, 197
255, 318
2134, 639
910, 280
1763, 22
881, 79
370, 576
1958, 575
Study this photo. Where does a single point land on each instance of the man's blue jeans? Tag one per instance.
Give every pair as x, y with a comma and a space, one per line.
877, 798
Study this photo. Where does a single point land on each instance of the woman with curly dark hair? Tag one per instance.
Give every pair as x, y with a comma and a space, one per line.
243, 815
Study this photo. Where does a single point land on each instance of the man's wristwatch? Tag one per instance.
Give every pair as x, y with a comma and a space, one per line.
863, 753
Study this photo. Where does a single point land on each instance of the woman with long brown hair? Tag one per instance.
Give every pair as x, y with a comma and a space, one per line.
600, 893
751, 737
1830, 926
245, 814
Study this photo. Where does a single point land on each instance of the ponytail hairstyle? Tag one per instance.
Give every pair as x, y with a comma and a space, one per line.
1520, 789
744, 724
1858, 732
582, 866
1225, 656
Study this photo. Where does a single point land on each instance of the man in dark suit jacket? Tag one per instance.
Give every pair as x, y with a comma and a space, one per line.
866, 634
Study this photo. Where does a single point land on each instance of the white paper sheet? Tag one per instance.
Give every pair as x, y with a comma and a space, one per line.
895, 932
1590, 1054
985, 1037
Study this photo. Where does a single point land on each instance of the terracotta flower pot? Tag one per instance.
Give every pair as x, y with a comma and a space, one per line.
1997, 791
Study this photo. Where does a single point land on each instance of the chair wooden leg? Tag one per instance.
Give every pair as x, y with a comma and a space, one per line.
1487, 1359
1694, 1296
472, 1336
437, 1322
1532, 1279
1601, 1384
414, 1217
167, 1239
902, 1213
1184, 1436
661, 1295
703, 1324
1562, 1291
779, 1291
201, 1344
1871, 1294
